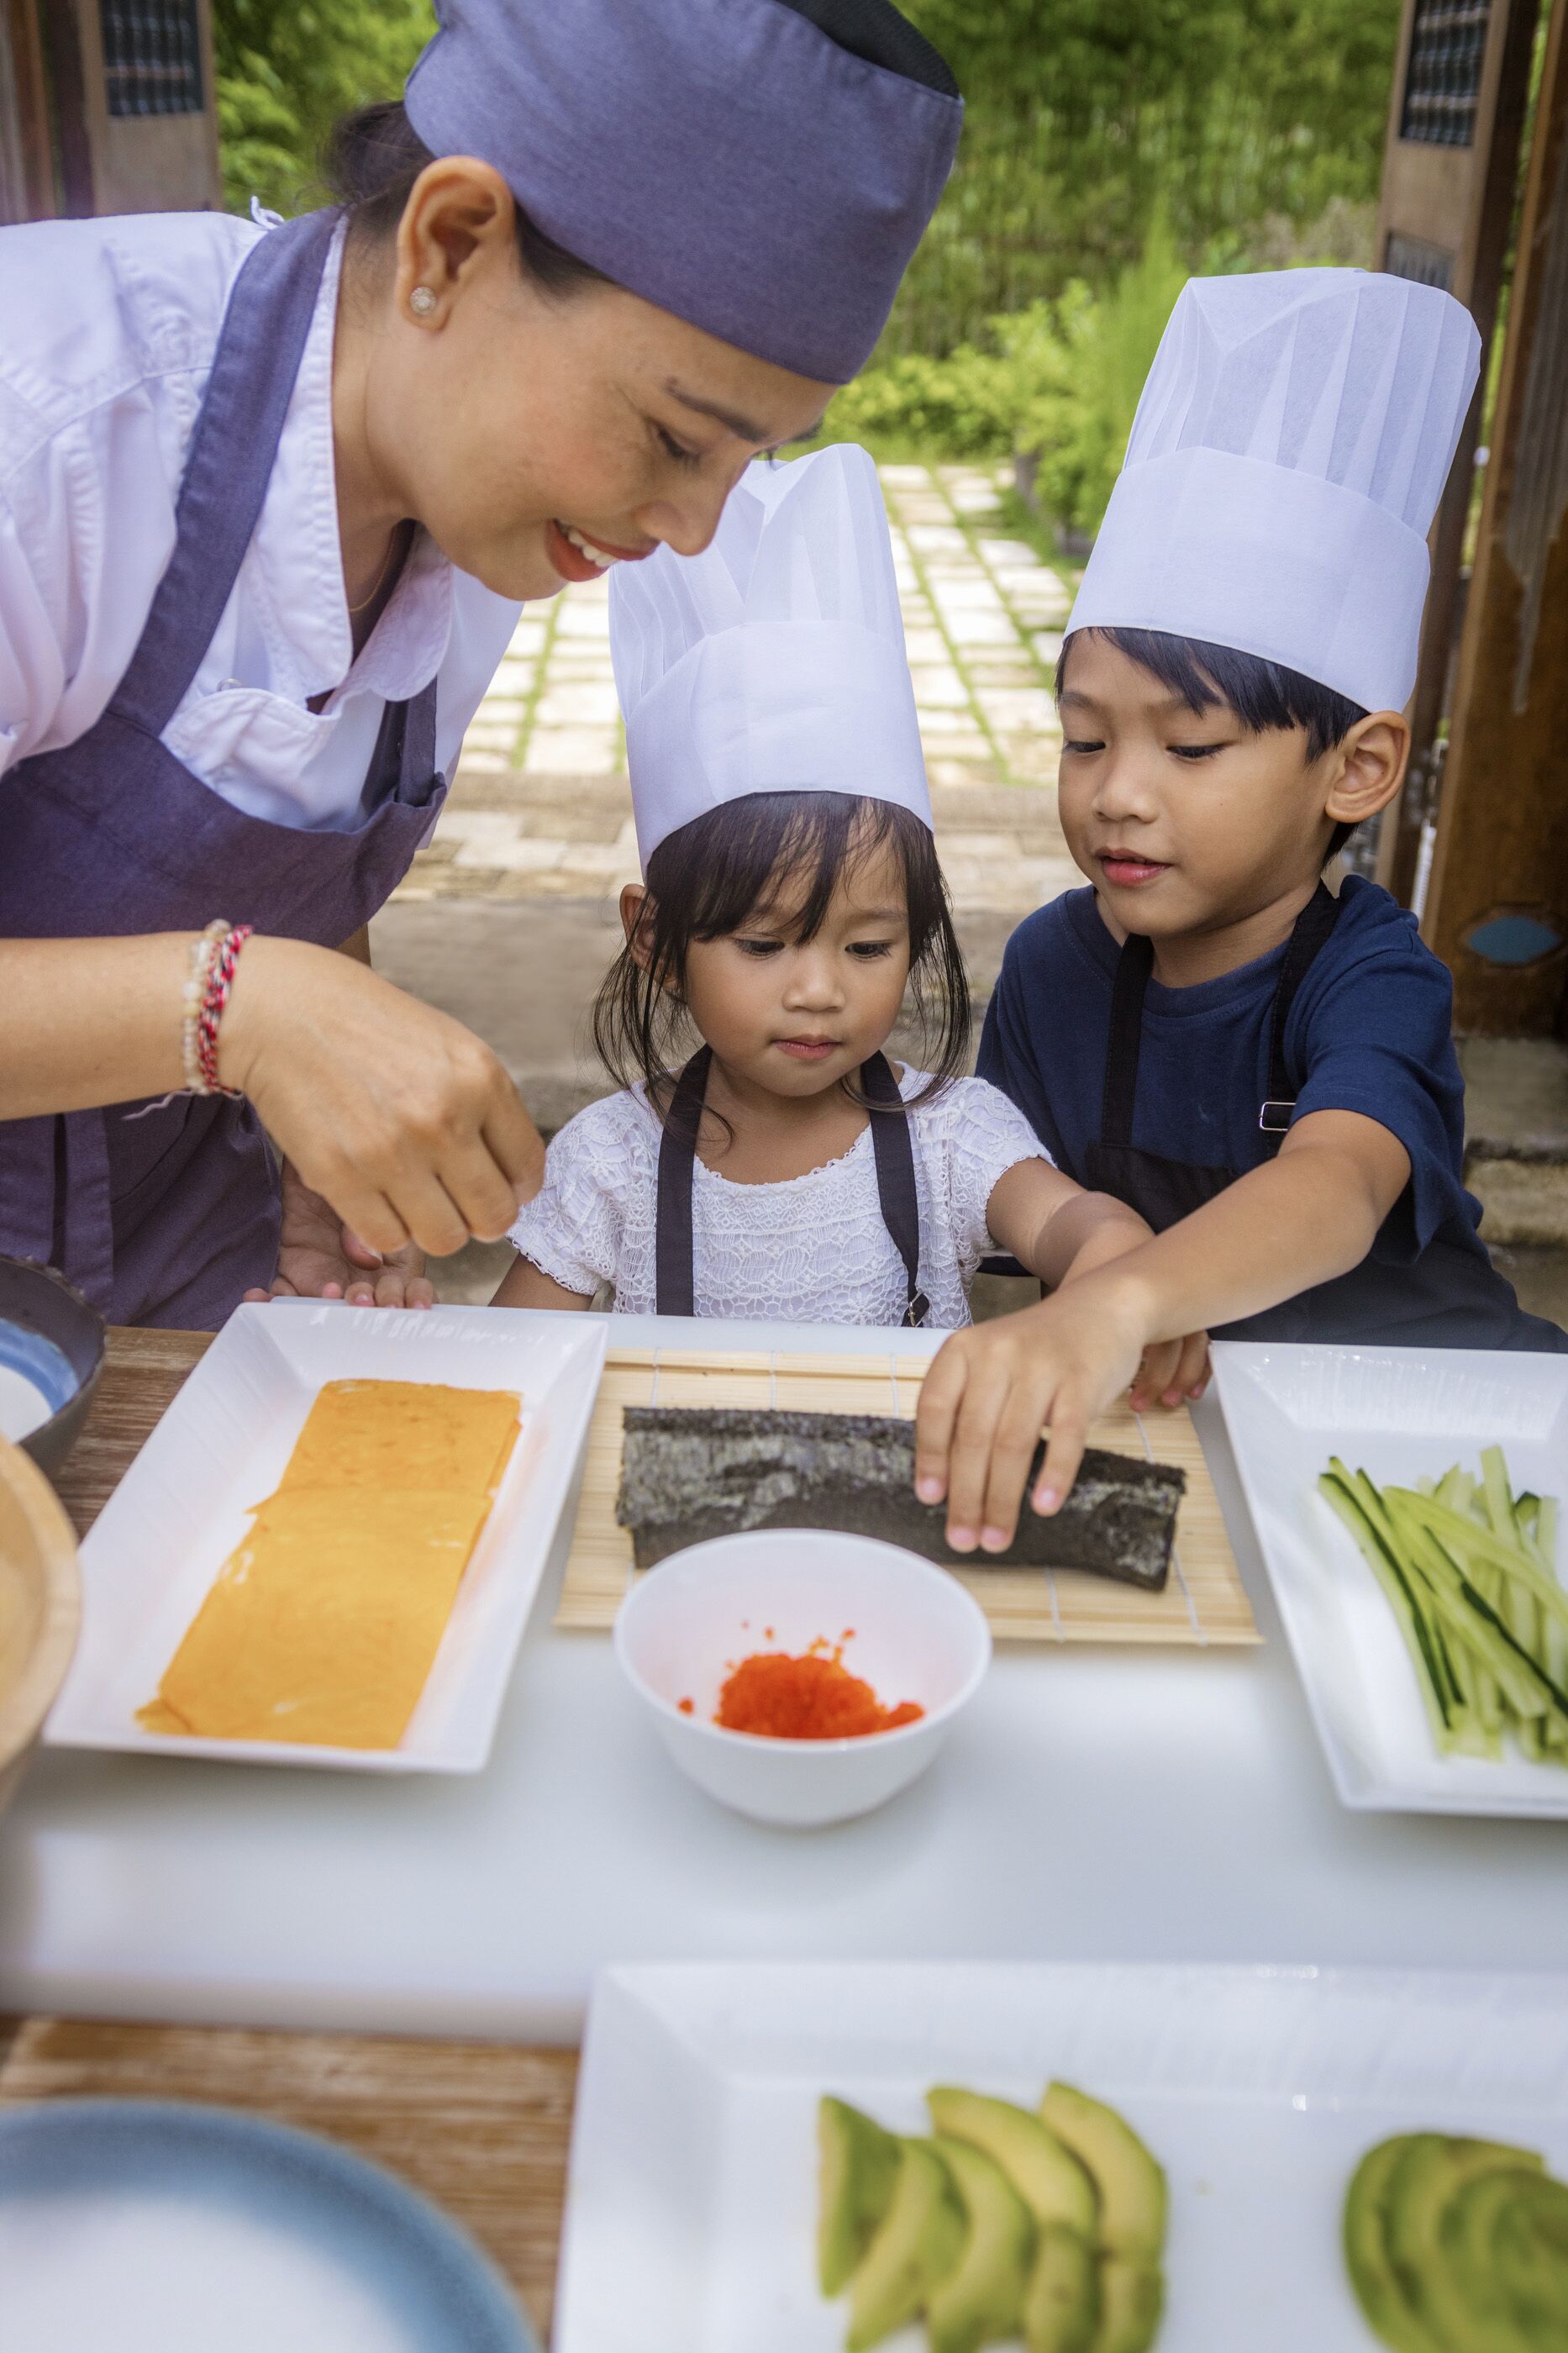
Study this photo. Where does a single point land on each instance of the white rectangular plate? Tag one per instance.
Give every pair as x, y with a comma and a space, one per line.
1397, 1414
184, 1504
692, 2205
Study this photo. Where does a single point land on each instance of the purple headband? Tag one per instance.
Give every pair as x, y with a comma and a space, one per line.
723, 158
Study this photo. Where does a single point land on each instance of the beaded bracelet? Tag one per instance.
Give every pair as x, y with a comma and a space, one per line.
202, 954
219, 981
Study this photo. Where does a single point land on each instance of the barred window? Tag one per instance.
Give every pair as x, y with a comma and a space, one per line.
1443, 80
151, 57
1412, 256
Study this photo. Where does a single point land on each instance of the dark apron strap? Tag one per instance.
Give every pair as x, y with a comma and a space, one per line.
896, 1176
228, 464
675, 1284
1313, 925
1133, 966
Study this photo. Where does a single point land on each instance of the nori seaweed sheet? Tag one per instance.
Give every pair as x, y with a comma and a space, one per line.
691, 1472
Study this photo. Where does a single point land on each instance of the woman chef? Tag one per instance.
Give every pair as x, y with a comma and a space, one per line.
268, 502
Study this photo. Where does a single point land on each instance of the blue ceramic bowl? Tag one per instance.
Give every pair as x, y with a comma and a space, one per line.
261, 2221
50, 1332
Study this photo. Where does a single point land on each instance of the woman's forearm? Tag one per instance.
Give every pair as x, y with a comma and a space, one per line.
90, 1021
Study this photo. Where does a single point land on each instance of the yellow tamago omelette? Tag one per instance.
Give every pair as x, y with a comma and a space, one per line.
324, 1623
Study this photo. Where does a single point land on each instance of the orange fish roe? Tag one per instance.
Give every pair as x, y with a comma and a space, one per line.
687, 1706
814, 1697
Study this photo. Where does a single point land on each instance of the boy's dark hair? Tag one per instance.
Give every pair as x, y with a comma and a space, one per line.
1263, 695
745, 858
370, 163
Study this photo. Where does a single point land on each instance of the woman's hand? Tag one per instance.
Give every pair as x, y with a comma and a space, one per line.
320, 1258
393, 1112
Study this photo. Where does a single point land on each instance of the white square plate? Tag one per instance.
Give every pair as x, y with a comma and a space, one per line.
692, 2205
1396, 1413
184, 1504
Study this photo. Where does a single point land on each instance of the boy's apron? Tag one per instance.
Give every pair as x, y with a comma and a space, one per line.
1450, 1297
170, 1217
675, 1286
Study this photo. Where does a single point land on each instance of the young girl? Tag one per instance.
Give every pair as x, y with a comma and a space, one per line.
788, 1169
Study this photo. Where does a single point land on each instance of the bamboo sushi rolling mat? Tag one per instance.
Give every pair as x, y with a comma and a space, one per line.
1203, 1600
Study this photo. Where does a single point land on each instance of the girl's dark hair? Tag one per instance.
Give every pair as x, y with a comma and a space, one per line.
1264, 695
370, 163
768, 852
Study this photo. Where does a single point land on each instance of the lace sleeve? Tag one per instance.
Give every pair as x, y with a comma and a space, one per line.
572, 1229
986, 1135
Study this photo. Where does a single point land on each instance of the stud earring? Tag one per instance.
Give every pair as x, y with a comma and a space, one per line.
422, 302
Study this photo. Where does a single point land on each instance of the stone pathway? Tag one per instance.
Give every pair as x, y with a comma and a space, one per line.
539, 806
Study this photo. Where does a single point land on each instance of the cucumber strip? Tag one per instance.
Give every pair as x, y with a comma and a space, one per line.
1445, 1681
1471, 1544
1335, 1488
1455, 1488
1526, 1688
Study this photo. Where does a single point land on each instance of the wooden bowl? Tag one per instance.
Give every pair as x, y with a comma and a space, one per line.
40, 1605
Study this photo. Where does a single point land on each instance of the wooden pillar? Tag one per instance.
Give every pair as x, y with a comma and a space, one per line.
27, 145
1497, 911
1450, 175
135, 104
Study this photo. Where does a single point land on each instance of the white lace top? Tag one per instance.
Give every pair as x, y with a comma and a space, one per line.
812, 1250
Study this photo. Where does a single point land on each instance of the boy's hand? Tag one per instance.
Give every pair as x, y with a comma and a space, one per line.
1173, 1370
993, 1388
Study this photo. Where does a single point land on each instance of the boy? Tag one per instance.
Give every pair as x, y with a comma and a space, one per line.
1265, 1072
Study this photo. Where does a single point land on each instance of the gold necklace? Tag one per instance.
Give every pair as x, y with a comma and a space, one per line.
392, 550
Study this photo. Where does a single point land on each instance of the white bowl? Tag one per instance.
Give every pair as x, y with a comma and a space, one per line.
914, 1633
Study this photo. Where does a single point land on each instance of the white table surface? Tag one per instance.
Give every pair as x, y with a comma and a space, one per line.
1111, 1805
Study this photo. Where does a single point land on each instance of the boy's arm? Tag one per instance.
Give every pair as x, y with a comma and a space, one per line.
1050, 1225
1303, 1218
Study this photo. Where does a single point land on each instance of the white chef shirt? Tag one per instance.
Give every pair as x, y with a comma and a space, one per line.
110, 328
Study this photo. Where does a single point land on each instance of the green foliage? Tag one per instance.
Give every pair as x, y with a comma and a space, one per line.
1061, 385
1084, 117
287, 68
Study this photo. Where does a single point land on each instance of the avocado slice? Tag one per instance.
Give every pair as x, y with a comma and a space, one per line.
982, 2298
1131, 2186
1431, 2172
1474, 2287
859, 2172
1131, 2305
915, 2245
1531, 2246
1367, 2259
1046, 2174
1061, 2307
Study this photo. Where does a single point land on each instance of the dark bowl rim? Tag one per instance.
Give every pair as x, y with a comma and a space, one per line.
58, 1281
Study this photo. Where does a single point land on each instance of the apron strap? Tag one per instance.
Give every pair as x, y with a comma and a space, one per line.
675, 1286
674, 1283
895, 1191
1312, 927
1133, 966
230, 462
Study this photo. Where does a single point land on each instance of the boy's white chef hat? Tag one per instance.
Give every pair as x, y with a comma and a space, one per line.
774, 661
1284, 467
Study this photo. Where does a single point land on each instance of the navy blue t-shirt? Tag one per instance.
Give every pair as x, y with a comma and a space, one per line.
1369, 1031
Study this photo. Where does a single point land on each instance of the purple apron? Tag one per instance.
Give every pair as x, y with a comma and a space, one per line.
168, 1219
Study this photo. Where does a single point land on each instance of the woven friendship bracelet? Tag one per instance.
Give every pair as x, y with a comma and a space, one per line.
202, 954
219, 981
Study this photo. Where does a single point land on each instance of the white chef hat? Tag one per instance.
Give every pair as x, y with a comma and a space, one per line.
774, 661
1284, 467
